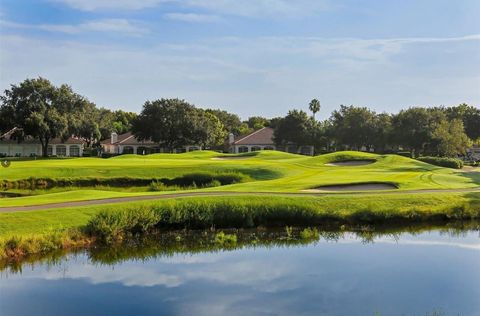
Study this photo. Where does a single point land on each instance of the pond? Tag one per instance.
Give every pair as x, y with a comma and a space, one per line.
429, 272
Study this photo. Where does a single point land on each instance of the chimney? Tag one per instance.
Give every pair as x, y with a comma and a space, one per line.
231, 138
114, 138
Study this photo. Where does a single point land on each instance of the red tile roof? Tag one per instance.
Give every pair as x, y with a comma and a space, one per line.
262, 136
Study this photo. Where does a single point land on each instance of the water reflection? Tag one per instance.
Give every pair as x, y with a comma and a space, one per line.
266, 272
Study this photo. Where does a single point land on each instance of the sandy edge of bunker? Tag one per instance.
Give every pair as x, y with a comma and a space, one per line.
354, 187
350, 163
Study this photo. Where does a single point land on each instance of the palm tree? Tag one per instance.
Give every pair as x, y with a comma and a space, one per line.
314, 106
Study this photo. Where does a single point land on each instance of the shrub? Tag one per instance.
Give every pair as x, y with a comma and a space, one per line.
203, 179
157, 186
214, 183
114, 226
443, 162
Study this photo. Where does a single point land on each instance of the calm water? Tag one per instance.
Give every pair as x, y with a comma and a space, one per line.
431, 273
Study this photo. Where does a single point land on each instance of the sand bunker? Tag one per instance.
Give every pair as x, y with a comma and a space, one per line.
351, 163
354, 187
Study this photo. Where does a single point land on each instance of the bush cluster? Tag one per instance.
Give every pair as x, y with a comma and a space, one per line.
443, 162
114, 226
203, 179
20, 246
189, 180
203, 214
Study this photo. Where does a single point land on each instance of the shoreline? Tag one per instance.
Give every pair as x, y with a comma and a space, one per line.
158, 242
109, 224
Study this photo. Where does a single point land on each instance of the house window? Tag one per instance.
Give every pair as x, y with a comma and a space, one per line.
268, 148
243, 149
74, 151
49, 150
128, 150
256, 148
61, 150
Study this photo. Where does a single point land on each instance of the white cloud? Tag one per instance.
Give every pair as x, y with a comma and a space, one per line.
105, 25
92, 5
262, 76
250, 8
257, 8
193, 17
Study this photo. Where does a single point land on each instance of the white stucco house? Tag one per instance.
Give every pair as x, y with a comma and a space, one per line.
262, 139
128, 144
11, 147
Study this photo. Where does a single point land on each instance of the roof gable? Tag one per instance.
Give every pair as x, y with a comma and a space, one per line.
126, 139
263, 136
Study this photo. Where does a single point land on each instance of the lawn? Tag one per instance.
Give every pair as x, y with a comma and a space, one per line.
274, 174
372, 206
269, 171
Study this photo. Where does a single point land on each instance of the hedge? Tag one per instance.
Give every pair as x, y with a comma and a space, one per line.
443, 162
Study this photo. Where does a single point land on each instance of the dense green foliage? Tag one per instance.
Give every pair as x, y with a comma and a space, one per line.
443, 162
39, 110
314, 107
110, 226
174, 123
295, 128
44, 111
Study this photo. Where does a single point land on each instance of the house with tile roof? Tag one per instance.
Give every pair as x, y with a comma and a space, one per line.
128, 144
262, 139
10, 146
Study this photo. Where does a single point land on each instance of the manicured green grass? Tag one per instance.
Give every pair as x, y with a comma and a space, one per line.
270, 171
372, 206
38, 232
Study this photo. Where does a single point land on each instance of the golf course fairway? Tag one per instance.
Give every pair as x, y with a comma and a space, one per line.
255, 189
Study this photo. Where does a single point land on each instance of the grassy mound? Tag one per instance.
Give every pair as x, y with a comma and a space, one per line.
268, 171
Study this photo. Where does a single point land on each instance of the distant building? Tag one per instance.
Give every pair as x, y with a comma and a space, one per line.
473, 152
128, 144
262, 139
11, 147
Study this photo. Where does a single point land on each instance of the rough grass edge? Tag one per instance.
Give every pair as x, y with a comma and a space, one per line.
112, 225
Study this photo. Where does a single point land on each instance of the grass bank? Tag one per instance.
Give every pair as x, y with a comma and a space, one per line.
24, 233
197, 179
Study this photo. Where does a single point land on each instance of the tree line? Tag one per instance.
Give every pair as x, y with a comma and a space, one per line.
44, 111
437, 131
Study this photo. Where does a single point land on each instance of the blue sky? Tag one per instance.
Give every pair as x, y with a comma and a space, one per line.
251, 57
